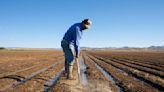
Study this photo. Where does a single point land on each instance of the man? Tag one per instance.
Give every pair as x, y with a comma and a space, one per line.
72, 36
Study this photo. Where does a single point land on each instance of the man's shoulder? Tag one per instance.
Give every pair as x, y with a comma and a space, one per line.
76, 25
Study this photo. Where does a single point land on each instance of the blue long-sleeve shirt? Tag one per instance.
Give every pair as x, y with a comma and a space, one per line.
73, 35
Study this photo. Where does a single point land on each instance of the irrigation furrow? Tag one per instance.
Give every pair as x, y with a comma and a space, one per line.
53, 81
24, 69
96, 69
83, 76
11, 79
141, 68
12, 73
146, 64
126, 81
140, 75
38, 81
13, 85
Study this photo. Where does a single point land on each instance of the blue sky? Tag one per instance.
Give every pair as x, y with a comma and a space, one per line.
116, 23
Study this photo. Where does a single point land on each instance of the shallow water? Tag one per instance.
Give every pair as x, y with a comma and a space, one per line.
53, 81
107, 75
83, 77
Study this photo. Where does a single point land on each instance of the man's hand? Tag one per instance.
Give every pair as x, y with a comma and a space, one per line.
76, 59
76, 56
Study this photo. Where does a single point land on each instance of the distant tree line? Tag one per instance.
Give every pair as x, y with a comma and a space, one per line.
1, 48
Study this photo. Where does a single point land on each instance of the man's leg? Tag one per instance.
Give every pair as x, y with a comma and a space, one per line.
70, 64
66, 67
68, 59
65, 47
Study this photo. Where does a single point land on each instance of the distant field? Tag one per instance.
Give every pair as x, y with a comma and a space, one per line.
105, 71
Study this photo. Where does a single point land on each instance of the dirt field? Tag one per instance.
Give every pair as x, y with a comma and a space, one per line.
27, 70
100, 71
133, 71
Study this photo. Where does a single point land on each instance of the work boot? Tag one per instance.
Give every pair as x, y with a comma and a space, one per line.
70, 73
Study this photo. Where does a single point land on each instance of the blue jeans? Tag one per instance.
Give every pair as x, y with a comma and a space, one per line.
69, 58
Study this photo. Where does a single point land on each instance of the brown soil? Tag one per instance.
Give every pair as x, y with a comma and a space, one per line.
149, 77
133, 71
37, 83
65, 85
21, 64
97, 81
142, 73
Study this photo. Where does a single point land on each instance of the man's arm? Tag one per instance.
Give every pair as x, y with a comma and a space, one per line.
76, 41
